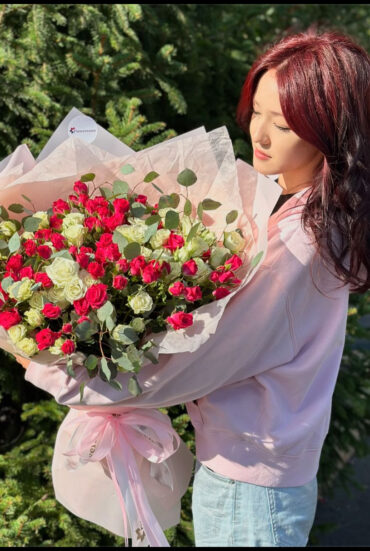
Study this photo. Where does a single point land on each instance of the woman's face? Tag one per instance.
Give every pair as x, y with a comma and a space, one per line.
286, 153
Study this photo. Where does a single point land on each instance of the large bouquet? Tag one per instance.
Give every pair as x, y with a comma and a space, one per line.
144, 268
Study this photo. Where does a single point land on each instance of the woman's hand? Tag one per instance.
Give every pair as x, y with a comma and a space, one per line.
23, 361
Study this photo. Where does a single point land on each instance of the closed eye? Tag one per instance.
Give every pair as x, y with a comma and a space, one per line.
282, 128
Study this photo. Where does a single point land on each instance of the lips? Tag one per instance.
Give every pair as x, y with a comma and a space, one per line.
260, 155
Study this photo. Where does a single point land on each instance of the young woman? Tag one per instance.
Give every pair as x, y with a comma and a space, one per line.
260, 430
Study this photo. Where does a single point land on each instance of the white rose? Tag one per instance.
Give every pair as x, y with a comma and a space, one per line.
138, 325
75, 234
175, 271
74, 289
72, 219
62, 270
196, 246
34, 317
133, 234
17, 332
38, 300
44, 218
27, 235
141, 302
28, 346
49, 244
218, 256
181, 254
159, 238
234, 241
162, 254
186, 225
22, 289
145, 252
7, 228
57, 347
208, 236
57, 296
87, 278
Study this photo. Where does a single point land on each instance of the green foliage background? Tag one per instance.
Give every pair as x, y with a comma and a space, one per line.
146, 73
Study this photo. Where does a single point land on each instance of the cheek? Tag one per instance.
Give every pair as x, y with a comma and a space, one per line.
294, 154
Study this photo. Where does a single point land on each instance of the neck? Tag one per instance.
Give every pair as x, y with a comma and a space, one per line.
295, 180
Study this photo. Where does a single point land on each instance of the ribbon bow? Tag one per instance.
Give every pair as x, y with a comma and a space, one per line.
113, 436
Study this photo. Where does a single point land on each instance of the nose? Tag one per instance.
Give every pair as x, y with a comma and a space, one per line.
259, 133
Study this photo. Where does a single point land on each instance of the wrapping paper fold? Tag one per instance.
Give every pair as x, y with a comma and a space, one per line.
125, 490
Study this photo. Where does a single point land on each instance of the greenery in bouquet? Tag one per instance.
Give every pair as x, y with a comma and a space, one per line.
101, 274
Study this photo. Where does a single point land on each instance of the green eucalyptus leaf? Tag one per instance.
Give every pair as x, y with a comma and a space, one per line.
188, 207
64, 253
126, 334
256, 259
120, 187
210, 204
152, 219
172, 220
31, 223
193, 232
88, 177
187, 177
105, 311
105, 368
151, 176
110, 324
106, 192
115, 384
138, 209
200, 211
4, 213
27, 198
231, 216
120, 240
70, 369
3, 244
133, 386
91, 362
132, 250
175, 200
164, 202
152, 230
124, 363
16, 207
14, 242
157, 188
127, 169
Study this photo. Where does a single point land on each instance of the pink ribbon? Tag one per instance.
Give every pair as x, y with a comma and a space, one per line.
113, 436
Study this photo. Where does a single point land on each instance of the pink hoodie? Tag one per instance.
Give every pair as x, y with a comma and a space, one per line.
279, 344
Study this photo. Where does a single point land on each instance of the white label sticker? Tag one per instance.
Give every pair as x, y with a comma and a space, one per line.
83, 127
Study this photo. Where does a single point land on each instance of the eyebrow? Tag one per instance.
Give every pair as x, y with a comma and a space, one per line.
272, 112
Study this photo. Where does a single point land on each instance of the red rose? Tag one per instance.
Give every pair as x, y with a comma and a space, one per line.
96, 295
221, 292
92, 223
67, 328
121, 205
180, 320
176, 288
42, 277
83, 259
151, 272
137, 264
10, 318
193, 293
68, 347
45, 338
96, 270
174, 242
55, 222
60, 206
73, 198
58, 241
112, 252
123, 264
226, 276
27, 271
206, 254
80, 187
189, 268
111, 222
44, 251
214, 276
73, 250
141, 199
81, 306
233, 263
43, 234
166, 266
105, 239
51, 311
120, 282
29, 247
15, 263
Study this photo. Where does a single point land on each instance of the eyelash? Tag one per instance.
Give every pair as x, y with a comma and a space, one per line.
282, 128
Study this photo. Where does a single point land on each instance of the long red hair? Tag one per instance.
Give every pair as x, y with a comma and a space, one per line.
324, 90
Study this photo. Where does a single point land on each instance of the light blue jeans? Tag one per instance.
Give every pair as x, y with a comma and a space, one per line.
231, 513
